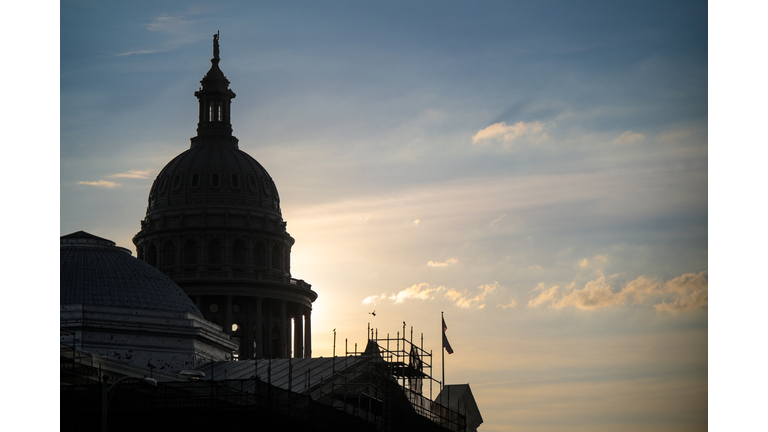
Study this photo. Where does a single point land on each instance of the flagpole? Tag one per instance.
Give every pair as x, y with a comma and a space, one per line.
442, 350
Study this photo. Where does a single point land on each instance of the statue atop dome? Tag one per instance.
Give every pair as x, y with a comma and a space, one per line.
216, 47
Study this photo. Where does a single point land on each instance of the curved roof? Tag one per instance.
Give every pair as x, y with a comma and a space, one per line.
214, 175
96, 272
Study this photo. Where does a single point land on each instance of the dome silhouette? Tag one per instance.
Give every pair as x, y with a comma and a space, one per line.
214, 226
211, 176
93, 271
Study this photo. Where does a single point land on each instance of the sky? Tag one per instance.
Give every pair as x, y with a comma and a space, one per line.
536, 171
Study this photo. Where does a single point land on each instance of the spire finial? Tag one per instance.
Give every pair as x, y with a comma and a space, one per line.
216, 47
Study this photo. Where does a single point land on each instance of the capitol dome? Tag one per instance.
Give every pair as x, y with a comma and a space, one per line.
213, 225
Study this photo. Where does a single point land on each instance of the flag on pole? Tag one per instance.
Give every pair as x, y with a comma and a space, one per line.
446, 344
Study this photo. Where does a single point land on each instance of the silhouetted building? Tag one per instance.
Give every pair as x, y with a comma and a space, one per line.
148, 344
116, 306
214, 226
456, 401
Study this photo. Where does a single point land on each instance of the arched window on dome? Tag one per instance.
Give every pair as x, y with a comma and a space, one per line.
214, 251
277, 257
259, 257
238, 253
169, 254
152, 255
176, 181
220, 112
210, 111
190, 253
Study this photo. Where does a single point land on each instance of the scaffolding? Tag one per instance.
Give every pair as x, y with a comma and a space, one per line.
396, 371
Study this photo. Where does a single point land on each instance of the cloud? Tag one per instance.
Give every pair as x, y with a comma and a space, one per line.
468, 298
138, 52
416, 222
511, 304
687, 292
596, 259
497, 220
423, 291
547, 295
693, 291
100, 183
595, 294
419, 291
361, 219
169, 24
449, 261
133, 174
506, 133
628, 137
372, 300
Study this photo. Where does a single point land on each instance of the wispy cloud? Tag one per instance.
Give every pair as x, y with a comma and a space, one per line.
597, 259
471, 298
361, 219
511, 304
687, 292
466, 298
172, 31
446, 263
133, 174
629, 137
138, 52
497, 220
692, 291
100, 183
506, 134
419, 291
169, 24
372, 300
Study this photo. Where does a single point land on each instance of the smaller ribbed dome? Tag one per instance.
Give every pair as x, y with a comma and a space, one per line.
94, 271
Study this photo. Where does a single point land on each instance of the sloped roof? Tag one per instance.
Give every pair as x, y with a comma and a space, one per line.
303, 374
458, 397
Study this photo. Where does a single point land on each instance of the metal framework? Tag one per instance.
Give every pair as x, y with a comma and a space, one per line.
403, 362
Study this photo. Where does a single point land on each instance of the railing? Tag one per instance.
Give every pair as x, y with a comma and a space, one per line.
235, 275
